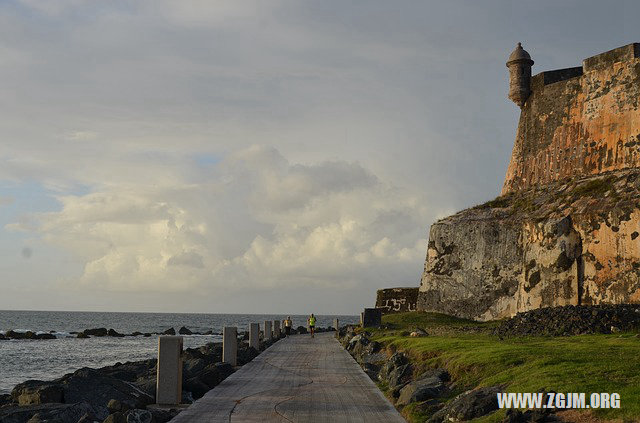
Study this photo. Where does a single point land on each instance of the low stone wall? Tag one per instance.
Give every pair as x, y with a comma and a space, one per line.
397, 300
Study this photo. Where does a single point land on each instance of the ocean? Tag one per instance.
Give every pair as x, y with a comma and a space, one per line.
21, 360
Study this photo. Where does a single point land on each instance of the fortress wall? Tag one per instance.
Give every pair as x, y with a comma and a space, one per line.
575, 125
397, 300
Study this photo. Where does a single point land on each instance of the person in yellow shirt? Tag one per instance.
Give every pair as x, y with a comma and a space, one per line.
287, 325
312, 324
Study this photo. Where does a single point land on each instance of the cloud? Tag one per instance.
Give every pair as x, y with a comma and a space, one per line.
261, 222
27, 252
6, 201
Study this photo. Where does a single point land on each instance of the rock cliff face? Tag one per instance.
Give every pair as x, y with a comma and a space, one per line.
565, 243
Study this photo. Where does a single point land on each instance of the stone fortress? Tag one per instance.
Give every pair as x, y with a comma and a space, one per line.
565, 229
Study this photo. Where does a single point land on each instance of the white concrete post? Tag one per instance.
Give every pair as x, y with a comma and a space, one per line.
276, 329
230, 345
169, 370
254, 336
267, 330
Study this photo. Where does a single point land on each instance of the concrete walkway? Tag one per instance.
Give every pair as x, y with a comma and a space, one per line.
298, 379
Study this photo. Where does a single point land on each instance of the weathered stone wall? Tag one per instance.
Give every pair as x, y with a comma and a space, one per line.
397, 300
565, 243
579, 121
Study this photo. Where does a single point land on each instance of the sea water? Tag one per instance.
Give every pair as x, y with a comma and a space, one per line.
22, 360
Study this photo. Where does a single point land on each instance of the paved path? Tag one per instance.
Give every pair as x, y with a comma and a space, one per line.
298, 379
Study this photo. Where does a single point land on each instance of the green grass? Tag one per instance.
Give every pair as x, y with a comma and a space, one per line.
587, 363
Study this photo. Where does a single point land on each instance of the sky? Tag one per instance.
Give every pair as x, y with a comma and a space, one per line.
256, 156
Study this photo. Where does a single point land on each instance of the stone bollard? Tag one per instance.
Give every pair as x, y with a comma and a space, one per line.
254, 336
267, 330
276, 329
169, 373
230, 345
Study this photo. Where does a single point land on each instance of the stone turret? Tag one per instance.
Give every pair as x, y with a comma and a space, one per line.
519, 65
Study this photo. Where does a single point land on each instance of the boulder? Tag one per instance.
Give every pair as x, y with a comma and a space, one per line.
469, 405
89, 418
170, 331
5, 399
117, 417
94, 387
429, 385
139, 416
163, 415
11, 334
246, 354
62, 413
301, 330
396, 371
112, 332
82, 335
37, 392
115, 406
184, 331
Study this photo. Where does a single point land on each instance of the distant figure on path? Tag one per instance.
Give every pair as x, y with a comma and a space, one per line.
287, 325
312, 324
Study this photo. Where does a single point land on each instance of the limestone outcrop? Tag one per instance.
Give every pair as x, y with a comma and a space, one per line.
565, 243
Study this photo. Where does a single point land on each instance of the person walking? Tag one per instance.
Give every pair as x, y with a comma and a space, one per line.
287, 325
312, 324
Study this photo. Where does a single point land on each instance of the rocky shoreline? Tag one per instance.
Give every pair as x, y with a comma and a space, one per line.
123, 392
97, 332
431, 388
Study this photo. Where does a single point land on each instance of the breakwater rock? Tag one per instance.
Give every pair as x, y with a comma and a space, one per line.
121, 392
572, 320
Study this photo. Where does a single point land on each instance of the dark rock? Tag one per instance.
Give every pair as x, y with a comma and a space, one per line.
94, 387
469, 405
430, 385
115, 418
37, 392
11, 334
572, 320
372, 370
170, 331
246, 354
136, 333
163, 415
301, 330
184, 331
96, 332
82, 335
64, 413
528, 416
5, 399
112, 332
207, 378
139, 416
89, 418
3, 338
115, 406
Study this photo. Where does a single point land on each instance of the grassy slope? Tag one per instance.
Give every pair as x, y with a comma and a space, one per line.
474, 357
